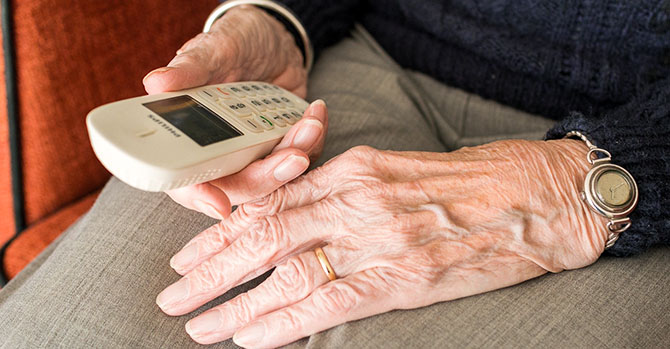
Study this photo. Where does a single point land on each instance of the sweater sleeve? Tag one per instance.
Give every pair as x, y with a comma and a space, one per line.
637, 135
326, 21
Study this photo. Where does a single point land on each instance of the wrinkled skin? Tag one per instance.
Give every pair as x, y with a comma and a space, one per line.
401, 230
245, 45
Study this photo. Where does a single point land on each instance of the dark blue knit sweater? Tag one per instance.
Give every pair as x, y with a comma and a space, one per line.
598, 66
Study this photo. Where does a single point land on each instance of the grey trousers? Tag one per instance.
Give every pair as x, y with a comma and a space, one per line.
96, 285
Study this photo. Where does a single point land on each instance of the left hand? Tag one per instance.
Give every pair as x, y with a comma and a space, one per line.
401, 229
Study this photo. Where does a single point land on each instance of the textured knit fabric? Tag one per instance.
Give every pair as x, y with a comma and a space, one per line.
597, 66
96, 286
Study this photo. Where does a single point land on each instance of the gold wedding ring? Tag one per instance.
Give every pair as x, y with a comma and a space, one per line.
325, 264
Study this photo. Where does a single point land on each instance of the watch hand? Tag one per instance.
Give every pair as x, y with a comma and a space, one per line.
613, 189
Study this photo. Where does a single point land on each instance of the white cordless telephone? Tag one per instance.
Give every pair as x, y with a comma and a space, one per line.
174, 139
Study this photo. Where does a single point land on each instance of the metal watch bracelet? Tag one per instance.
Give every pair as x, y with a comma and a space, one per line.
609, 189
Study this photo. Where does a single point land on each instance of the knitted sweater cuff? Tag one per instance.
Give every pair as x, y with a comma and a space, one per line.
636, 134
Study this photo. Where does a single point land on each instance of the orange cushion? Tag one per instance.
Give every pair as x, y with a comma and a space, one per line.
72, 56
36, 238
6, 210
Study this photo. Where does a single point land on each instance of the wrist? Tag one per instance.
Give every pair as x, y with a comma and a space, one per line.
608, 190
249, 44
592, 225
281, 14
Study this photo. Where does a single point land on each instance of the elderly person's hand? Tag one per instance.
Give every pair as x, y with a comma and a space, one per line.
400, 229
245, 44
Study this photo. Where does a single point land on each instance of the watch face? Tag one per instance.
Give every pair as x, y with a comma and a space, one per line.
613, 188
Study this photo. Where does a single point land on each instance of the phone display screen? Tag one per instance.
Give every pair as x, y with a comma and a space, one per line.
194, 119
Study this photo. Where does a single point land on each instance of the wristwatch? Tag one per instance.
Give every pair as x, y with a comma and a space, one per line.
609, 189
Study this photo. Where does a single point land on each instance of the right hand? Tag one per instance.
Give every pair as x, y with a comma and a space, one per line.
246, 44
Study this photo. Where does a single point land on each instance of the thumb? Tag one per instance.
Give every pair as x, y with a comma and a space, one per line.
187, 69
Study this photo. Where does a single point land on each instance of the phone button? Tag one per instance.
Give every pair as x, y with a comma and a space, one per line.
264, 122
252, 125
224, 93
288, 118
236, 91
268, 103
258, 89
277, 119
240, 108
286, 101
296, 115
278, 102
248, 90
259, 105
208, 94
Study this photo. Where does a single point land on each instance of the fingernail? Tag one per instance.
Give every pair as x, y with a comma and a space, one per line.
318, 107
184, 257
251, 335
207, 209
174, 293
159, 70
204, 324
309, 132
290, 168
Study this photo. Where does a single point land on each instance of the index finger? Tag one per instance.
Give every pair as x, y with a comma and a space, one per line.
305, 190
355, 297
266, 243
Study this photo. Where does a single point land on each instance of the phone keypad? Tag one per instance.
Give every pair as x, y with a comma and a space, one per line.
277, 119
235, 90
248, 90
238, 107
269, 104
252, 126
258, 106
264, 122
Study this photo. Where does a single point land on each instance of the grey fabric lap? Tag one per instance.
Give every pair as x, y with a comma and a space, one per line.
96, 286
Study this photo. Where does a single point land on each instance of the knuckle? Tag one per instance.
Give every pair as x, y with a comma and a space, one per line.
271, 231
207, 276
242, 309
358, 155
214, 238
315, 181
245, 213
337, 299
363, 150
267, 235
267, 205
192, 42
291, 319
191, 55
291, 278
